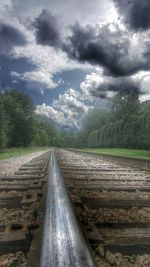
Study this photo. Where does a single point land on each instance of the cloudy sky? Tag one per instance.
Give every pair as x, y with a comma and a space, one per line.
72, 55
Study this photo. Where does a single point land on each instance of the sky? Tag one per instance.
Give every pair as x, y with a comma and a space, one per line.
73, 55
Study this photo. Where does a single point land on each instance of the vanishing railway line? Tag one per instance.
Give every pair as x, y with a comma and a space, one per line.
110, 198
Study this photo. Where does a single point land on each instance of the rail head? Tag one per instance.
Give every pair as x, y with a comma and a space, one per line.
64, 244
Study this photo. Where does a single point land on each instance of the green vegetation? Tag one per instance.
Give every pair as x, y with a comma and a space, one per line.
8, 153
125, 125
21, 128
120, 152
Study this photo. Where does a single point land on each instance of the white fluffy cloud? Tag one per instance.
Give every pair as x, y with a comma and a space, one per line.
69, 99
68, 110
50, 112
93, 85
47, 61
41, 77
91, 82
56, 115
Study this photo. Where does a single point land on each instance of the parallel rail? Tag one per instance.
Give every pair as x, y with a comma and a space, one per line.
63, 241
111, 198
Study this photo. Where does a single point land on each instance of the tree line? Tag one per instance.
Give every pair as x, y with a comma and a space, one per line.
125, 125
21, 127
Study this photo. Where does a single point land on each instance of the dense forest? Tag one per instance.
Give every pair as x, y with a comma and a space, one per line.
125, 124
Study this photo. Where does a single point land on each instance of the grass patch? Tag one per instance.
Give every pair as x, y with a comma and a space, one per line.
9, 153
121, 152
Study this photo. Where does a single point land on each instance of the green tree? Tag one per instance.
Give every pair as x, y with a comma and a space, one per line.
19, 109
43, 129
4, 124
125, 103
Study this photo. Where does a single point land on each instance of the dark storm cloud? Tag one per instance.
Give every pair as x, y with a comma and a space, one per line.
99, 94
136, 13
47, 30
10, 37
125, 85
106, 48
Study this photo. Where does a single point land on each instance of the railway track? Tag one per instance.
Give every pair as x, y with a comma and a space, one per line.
112, 202
63, 241
22, 241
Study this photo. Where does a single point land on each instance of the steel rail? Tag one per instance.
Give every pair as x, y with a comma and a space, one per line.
64, 244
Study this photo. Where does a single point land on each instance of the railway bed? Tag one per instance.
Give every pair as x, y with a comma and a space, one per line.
34, 198
20, 213
112, 202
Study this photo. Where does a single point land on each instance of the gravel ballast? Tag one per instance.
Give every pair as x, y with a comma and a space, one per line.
9, 166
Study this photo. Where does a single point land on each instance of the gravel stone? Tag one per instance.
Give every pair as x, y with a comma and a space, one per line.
11, 165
